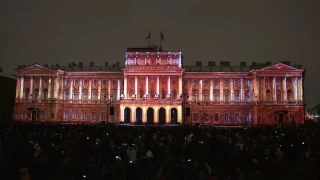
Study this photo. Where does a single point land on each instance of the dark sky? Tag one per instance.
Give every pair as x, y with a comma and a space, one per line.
63, 31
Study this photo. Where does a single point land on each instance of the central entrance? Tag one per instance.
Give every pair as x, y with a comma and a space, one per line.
174, 116
127, 113
139, 115
162, 116
150, 116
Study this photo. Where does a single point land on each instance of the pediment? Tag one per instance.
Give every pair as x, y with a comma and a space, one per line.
279, 66
35, 69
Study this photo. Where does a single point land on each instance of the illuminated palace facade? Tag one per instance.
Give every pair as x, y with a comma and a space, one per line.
154, 88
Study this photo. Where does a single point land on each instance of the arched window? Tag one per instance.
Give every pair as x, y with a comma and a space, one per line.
216, 94
226, 94
174, 94
94, 94
152, 93
26, 93
195, 95
84, 94
248, 96
279, 97
36, 94
75, 94
206, 95
289, 96
237, 95
45, 94
268, 96
141, 93
66, 95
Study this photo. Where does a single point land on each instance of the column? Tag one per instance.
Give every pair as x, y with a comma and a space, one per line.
71, 89
284, 88
221, 90
180, 85
274, 89
169, 88
109, 90
158, 85
147, 85
168, 115
136, 86
300, 89
295, 89
179, 111
242, 90
156, 115
144, 115
256, 89
132, 115
125, 91
89, 89
22, 87
200, 90
118, 90
190, 91
121, 113
31, 87
80, 90
61, 93
211, 90
231, 90
56, 88
263, 91
50, 88
40, 88
18, 83
99, 90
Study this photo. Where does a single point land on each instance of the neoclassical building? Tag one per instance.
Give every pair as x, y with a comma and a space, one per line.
155, 88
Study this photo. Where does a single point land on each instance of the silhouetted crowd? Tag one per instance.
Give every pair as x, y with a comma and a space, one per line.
101, 152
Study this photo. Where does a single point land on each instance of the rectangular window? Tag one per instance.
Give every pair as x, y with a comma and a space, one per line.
248, 117
206, 83
104, 82
65, 115
195, 116
43, 115
185, 82
237, 83
238, 118
206, 117
114, 82
216, 117
25, 115
74, 115
84, 116
195, 83
248, 83
93, 116
52, 115
103, 116
66, 82
227, 117
85, 82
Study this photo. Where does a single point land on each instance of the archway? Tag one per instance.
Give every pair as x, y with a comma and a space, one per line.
139, 115
127, 112
174, 116
162, 116
150, 116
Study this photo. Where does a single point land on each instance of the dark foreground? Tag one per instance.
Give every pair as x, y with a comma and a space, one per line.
72, 152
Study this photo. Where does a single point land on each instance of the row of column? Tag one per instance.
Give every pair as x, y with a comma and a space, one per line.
221, 91
71, 89
257, 83
20, 87
125, 91
156, 113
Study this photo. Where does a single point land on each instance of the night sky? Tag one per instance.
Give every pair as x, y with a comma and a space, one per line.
64, 31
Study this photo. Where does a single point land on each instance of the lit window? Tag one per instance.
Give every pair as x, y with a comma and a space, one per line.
74, 115
238, 118
227, 117
65, 115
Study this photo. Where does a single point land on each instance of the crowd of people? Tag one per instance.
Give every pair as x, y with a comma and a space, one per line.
86, 151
